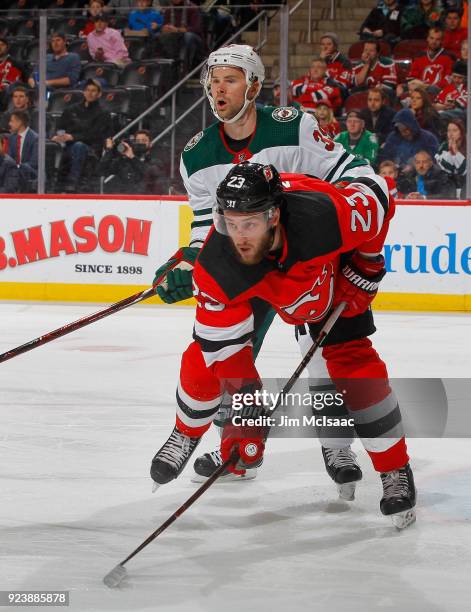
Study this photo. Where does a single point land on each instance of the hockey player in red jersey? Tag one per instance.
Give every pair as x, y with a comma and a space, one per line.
303, 248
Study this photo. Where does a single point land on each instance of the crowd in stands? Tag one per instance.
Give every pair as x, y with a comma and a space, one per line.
107, 61
398, 98
400, 95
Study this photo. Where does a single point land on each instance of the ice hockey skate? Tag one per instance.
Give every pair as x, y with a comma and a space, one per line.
399, 496
170, 460
342, 467
207, 464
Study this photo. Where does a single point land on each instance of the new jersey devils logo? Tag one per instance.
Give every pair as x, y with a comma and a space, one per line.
313, 305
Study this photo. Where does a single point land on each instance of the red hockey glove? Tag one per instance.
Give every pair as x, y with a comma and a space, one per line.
249, 442
357, 283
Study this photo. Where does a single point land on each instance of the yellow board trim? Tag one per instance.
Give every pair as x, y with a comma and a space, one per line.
61, 292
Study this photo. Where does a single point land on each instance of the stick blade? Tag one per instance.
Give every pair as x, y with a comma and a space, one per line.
113, 578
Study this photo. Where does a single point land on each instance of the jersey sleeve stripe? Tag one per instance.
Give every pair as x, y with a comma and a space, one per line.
345, 157
225, 353
200, 407
224, 334
203, 211
205, 223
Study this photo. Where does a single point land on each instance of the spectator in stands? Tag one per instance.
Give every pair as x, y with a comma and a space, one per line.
128, 168
10, 72
94, 8
429, 67
317, 86
451, 156
422, 107
417, 19
325, 117
406, 140
23, 149
62, 68
82, 129
277, 91
464, 50
426, 180
388, 168
378, 115
383, 22
19, 101
375, 70
182, 33
339, 68
9, 174
454, 33
145, 19
107, 44
453, 97
356, 139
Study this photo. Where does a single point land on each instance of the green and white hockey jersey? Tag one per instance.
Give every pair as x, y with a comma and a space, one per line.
285, 137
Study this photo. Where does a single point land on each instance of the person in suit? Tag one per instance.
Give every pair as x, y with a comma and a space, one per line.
9, 175
23, 149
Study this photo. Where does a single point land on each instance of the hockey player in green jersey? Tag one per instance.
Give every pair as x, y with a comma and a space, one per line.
293, 142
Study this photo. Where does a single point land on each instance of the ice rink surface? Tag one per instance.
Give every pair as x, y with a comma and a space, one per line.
83, 416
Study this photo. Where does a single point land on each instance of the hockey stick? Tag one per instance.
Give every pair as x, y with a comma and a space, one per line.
70, 327
114, 577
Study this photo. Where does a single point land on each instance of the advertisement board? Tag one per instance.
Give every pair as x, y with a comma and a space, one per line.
104, 248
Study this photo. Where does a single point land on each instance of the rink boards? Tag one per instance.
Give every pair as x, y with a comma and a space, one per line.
104, 248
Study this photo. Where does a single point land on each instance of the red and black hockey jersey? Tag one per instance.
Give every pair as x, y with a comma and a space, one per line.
383, 72
309, 93
319, 223
339, 69
431, 69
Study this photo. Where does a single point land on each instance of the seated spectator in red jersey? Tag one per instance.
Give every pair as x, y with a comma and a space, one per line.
10, 72
454, 33
427, 117
339, 67
374, 70
94, 8
430, 66
316, 86
378, 115
454, 93
383, 22
325, 118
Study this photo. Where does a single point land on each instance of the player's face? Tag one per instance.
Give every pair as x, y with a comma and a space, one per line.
250, 235
374, 101
434, 40
228, 90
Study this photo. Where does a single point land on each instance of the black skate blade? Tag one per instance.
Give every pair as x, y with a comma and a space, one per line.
113, 578
401, 520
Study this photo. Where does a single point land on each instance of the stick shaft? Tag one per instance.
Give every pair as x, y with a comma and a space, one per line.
190, 501
71, 327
